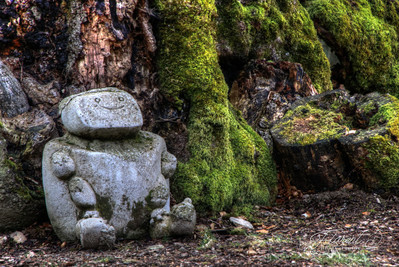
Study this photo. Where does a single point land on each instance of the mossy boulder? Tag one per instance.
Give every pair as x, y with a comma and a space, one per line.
328, 140
265, 90
21, 200
274, 30
229, 164
363, 34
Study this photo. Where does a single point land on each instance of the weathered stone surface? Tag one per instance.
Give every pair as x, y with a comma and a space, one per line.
328, 140
13, 100
101, 113
95, 232
18, 207
265, 90
117, 181
180, 221
241, 222
183, 218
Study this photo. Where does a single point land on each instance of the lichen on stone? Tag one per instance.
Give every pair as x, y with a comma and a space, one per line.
229, 164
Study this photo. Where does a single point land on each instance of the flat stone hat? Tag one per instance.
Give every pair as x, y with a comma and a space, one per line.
105, 113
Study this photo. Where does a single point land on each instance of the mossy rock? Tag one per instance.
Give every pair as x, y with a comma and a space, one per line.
273, 30
328, 140
265, 90
229, 164
21, 201
364, 36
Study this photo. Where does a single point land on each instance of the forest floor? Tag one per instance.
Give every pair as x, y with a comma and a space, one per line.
340, 228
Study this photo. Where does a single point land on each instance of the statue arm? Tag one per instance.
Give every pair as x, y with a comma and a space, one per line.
63, 165
168, 164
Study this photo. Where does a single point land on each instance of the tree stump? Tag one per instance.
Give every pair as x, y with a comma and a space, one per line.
328, 140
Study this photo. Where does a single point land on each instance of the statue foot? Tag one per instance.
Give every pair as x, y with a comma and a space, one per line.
183, 217
95, 232
160, 223
179, 221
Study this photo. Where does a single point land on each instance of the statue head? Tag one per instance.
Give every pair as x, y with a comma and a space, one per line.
107, 113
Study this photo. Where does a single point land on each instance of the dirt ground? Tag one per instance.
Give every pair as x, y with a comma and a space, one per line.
340, 228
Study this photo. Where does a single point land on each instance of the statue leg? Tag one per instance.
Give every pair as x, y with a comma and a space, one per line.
92, 231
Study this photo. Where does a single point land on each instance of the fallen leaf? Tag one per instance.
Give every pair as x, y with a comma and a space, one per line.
63, 244
262, 231
223, 214
348, 186
366, 213
18, 237
212, 226
348, 225
270, 227
251, 252
307, 215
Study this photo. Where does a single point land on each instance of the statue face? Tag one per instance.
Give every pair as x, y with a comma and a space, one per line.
101, 113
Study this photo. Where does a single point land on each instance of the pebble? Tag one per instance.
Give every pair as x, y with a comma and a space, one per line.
156, 248
241, 222
3, 239
18, 237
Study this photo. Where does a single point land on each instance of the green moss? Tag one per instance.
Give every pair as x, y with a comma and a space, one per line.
278, 30
383, 160
309, 124
104, 206
20, 186
229, 163
366, 33
383, 150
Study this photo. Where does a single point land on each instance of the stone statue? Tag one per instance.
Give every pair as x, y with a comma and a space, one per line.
107, 179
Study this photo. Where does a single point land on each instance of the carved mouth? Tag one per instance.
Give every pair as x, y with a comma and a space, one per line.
112, 108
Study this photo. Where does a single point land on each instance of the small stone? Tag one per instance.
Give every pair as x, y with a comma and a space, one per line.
18, 237
3, 240
155, 248
241, 222
30, 254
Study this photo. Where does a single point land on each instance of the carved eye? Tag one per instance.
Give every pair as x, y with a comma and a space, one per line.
97, 99
121, 98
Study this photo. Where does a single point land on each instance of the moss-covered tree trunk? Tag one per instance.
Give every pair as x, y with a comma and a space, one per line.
229, 165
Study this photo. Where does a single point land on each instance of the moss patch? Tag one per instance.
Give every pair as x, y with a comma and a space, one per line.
383, 150
366, 127
229, 164
311, 124
275, 30
365, 35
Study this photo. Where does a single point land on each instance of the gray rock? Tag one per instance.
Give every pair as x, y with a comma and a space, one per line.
241, 222
13, 100
116, 181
